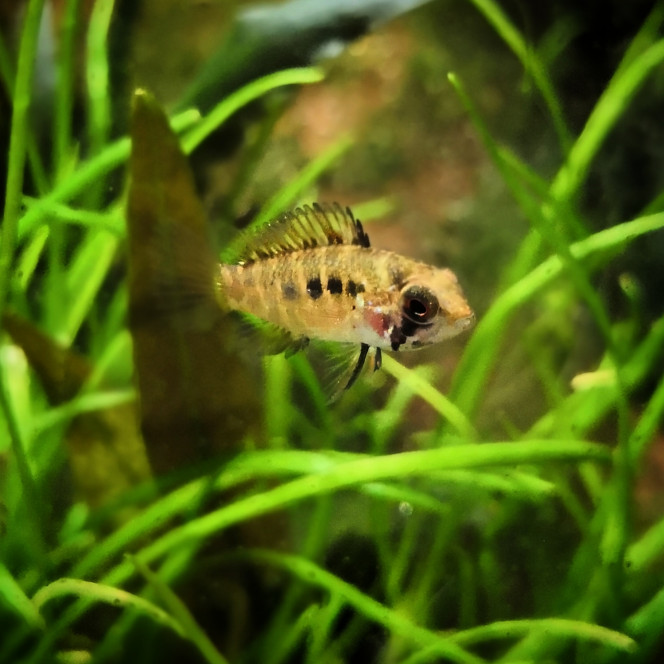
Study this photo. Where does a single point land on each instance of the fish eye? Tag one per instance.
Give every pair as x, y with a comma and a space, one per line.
419, 304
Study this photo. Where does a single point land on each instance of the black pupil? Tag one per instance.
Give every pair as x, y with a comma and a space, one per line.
417, 308
419, 305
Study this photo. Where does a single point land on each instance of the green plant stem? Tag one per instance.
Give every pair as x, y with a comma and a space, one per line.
254, 90
62, 124
611, 106
17, 143
328, 477
190, 629
90, 172
527, 188
650, 420
112, 221
606, 112
396, 622
335, 477
647, 622
83, 403
30, 489
287, 196
348, 474
86, 274
561, 627
432, 396
250, 157
647, 549
482, 348
531, 63
34, 158
64, 93
582, 410
97, 75
14, 597
98, 592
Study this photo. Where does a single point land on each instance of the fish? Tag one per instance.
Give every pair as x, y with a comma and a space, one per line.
312, 275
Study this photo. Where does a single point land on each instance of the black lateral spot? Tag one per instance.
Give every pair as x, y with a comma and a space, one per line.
408, 327
398, 338
351, 288
289, 291
360, 288
314, 288
397, 277
335, 286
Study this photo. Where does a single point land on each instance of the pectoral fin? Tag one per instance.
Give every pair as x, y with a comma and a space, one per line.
339, 366
265, 338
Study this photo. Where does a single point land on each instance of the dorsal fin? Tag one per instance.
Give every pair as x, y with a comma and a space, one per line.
306, 227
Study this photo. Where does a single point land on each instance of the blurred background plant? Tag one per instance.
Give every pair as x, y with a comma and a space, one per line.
379, 529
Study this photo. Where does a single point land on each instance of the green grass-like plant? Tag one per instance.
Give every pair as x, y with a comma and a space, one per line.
437, 516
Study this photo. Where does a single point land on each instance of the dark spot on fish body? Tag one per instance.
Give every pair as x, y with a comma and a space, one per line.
289, 291
334, 286
397, 338
360, 288
408, 327
351, 288
397, 277
314, 288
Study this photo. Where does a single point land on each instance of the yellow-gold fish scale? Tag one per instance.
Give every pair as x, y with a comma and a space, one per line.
343, 293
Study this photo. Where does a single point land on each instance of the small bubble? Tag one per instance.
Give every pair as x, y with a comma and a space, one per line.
405, 509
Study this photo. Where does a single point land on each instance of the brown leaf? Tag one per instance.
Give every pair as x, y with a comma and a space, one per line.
198, 397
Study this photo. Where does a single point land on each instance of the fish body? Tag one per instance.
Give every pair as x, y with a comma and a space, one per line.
350, 294
313, 274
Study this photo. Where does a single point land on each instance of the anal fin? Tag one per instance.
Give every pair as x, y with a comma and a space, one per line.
378, 359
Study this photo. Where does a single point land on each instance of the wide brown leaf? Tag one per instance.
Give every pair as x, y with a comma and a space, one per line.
198, 398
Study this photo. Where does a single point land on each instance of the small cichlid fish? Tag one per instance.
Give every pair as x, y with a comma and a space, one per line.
313, 274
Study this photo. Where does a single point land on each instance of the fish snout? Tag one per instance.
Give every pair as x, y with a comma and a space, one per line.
465, 323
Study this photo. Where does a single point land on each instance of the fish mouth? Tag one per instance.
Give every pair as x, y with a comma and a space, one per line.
465, 323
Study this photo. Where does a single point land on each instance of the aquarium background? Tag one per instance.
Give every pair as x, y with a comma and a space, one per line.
169, 493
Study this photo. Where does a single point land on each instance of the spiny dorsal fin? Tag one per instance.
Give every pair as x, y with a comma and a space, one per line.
306, 227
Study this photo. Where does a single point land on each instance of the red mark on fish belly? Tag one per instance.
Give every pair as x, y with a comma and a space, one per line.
379, 323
